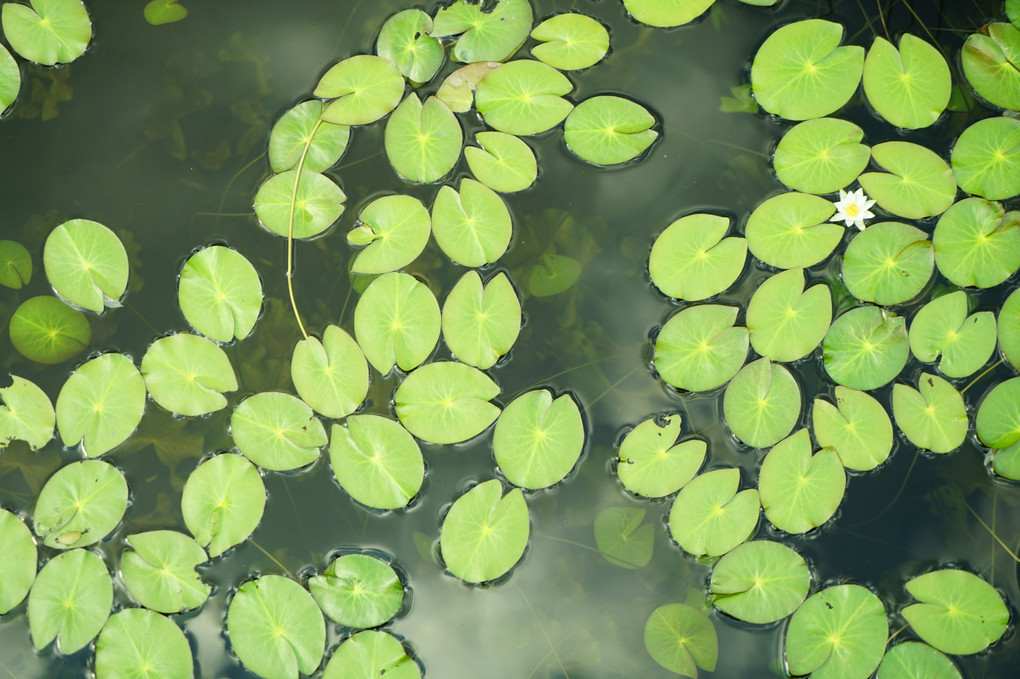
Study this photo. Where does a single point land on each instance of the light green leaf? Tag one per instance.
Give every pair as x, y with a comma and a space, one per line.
998, 417
709, 517
491, 34
933, 418
480, 324
504, 162
761, 403
607, 130
621, 537
446, 402
397, 321
363, 88
484, 533
821, 155
910, 88
277, 431
918, 183
942, 326
792, 230
101, 404
958, 612
15, 259
914, 660
26, 414
458, 89
991, 59
760, 582
538, 440
358, 590
865, 348
376, 461
304, 209
423, 141
371, 654
159, 12
986, 158
187, 374
1009, 328
406, 40
698, 349
222, 502
10, 79
80, 505
139, 643
1006, 462
17, 568
650, 464
800, 491
45, 330
395, 230
159, 571
220, 293
857, 428
692, 261
682, 639
86, 264
48, 32
570, 41
785, 321
70, 601
301, 133
888, 263
332, 375
666, 14
977, 243
523, 97
472, 226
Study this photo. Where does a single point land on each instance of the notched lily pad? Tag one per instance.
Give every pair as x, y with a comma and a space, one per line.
666, 14
86, 264
472, 225
800, 491
977, 243
358, 590
570, 41
709, 517
137, 642
26, 414
760, 582
406, 40
523, 97
991, 64
397, 322
917, 184
299, 208
446, 402
159, 571
691, 260
785, 321
423, 141
80, 504
933, 416
857, 428
301, 136
371, 654
865, 348
222, 502
821, 155
220, 293
538, 439
485, 532
45, 330
363, 88
394, 231
376, 461
958, 612
49, 31
17, 568
187, 374
101, 404
909, 87
607, 130
504, 163
652, 463
761, 403
986, 158
792, 230
998, 417
481, 323
277, 431
490, 32
70, 601
942, 327
330, 375
699, 348
888, 263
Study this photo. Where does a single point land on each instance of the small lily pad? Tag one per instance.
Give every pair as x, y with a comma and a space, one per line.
277, 431
682, 639
909, 87
570, 41
330, 375
504, 163
472, 225
10, 79
792, 230
376, 461
800, 491
86, 264
958, 612
888, 263
608, 130
537, 439
80, 505
101, 404
760, 582
302, 136
523, 97
821, 155
141, 643
553, 274
942, 326
187, 374
622, 537
699, 349
220, 293
26, 414
299, 208
933, 417
406, 40
998, 417
481, 323
651, 462
423, 141
358, 590
45, 330
159, 571
363, 88
397, 322
761, 403
1006, 462
917, 184
692, 261
70, 601
490, 33
15, 259
709, 517
371, 654
49, 31
485, 532
785, 321
865, 348
857, 428
977, 243
222, 502
17, 568
986, 158
990, 59
446, 402
160, 12
395, 230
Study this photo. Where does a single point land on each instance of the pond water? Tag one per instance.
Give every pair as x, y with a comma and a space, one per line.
160, 134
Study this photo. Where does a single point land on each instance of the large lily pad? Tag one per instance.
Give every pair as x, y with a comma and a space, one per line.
857, 428
917, 184
220, 293
991, 59
140, 643
45, 330
666, 14
395, 230
699, 348
101, 404
187, 374
406, 40
363, 88
49, 31
376, 461
472, 225
523, 97
909, 87
222, 502
86, 264
760, 582
865, 348
650, 464
761, 403
709, 517
821, 155
423, 141
70, 600
481, 323
485, 532
800, 491
570, 41
998, 418
330, 375
371, 654
792, 230
977, 243
986, 158
785, 321
303, 207
26, 414
81, 504
301, 136
692, 261
17, 568
446, 402
912, 659
537, 440
932, 417
942, 326
358, 590
486, 33
958, 612
277, 431
159, 571
608, 130
397, 322
888, 263
504, 163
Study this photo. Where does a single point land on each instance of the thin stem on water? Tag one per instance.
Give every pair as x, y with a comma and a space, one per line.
290, 227
273, 559
985, 372
992, 532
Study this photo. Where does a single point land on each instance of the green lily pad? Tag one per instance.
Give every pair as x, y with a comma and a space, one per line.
101, 404
942, 326
649, 463
276, 628
222, 502
538, 440
838, 632
760, 582
692, 261
821, 155
395, 230
358, 590
70, 601
397, 321
17, 568
472, 226
682, 639
187, 374
302, 136
1006, 462
958, 612
423, 141
801, 72
1009, 328
800, 491
446, 402
792, 230
15, 260
608, 130
865, 348
918, 183
26, 414
159, 571
363, 88
159, 12
406, 40
998, 417
857, 428
376, 461
621, 537
785, 321
504, 163
933, 417
986, 158
570, 41
888, 263
49, 32
523, 97
139, 643
481, 324
553, 274
330, 375
86, 264
458, 89
913, 660
709, 517
490, 33
371, 654
81, 504
45, 330
220, 293
300, 208
761, 403
485, 532
977, 243
699, 349
666, 14
909, 87
991, 59
10, 79
277, 431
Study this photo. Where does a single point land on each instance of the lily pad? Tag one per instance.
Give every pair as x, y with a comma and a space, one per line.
608, 130
912, 659
220, 293
486, 33
160, 12
358, 590
917, 184
101, 404
709, 517
760, 582
458, 90
397, 321
86, 264
395, 230
17, 568
692, 261
792, 230
302, 136
303, 208
821, 155
977, 243
1009, 328
137, 642
371, 654
991, 58
15, 259
666, 14
538, 440
800, 491
330, 375
857, 428
785, 321
1006, 462
865, 348
10, 79
942, 326
504, 163
888, 263
363, 88
523, 97
933, 417
472, 226
699, 349
909, 87
446, 402
998, 417
80, 505
553, 274
187, 374
70, 601
485, 532
49, 32
651, 462
570, 41
277, 431
159, 571
480, 324
222, 502
622, 537
682, 639
45, 330
26, 414
406, 40
986, 158
423, 141
761, 403
376, 461
958, 612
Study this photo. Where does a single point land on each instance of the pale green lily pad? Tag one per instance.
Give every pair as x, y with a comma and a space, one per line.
485, 532
49, 32
10, 79
523, 97
446, 402
909, 87
917, 184
933, 417
81, 504
406, 40
821, 155
699, 349
301, 136
101, 404
1006, 462
761, 403
358, 590
998, 417
1009, 328
220, 293
458, 89
139, 643
15, 259
472, 226
760, 582
692, 261
914, 660
160, 12
793, 230
491, 34
666, 14
570, 41
785, 321
977, 243
682, 639
277, 431
26, 414
481, 324
376, 461
363, 88
395, 230
553, 274
857, 428
187, 374
959, 612
86, 264
504, 163
888, 263
222, 502
839, 632
371, 654
991, 64
302, 208
801, 72
330, 375
17, 568
709, 517
986, 158
538, 440
70, 601
45, 330
397, 321
865, 348
276, 628
649, 463
159, 571
622, 537
423, 141
942, 326
608, 130
800, 491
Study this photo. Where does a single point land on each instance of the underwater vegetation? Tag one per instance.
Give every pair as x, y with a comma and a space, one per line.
852, 315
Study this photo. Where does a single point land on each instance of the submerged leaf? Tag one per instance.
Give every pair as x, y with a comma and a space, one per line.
45, 330
621, 537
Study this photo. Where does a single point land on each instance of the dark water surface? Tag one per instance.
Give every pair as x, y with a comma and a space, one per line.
162, 141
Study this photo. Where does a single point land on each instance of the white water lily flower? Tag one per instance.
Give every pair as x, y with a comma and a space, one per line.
852, 208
